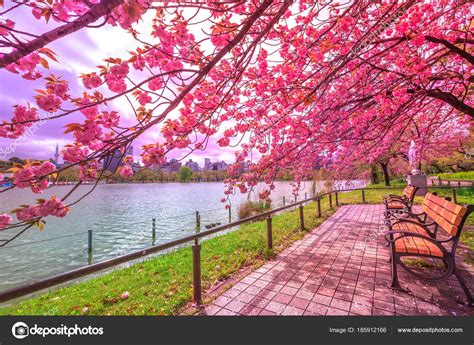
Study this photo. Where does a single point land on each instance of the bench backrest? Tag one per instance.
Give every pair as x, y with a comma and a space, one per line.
446, 214
409, 192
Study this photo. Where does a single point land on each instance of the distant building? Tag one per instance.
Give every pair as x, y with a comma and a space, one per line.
192, 165
136, 167
219, 166
207, 164
56, 154
172, 166
115, 160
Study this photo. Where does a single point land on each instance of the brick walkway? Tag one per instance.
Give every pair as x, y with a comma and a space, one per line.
340, 268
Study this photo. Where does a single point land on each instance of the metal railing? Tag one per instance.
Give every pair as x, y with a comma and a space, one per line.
333, 197
443, 182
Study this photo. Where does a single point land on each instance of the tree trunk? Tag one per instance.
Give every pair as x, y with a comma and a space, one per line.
373, 175
386, 177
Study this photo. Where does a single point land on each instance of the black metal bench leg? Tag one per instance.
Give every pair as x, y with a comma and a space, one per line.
395, 284
464, 286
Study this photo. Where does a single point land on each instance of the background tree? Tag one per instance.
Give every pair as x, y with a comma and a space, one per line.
185, 174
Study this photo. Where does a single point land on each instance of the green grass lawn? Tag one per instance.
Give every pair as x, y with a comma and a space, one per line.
462, 175
162, 285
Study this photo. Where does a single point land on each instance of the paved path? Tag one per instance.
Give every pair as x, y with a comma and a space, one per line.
340, 268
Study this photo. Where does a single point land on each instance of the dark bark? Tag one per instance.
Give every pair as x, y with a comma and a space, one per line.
452, 100
464, 54
386, 177
95, 12
373, 175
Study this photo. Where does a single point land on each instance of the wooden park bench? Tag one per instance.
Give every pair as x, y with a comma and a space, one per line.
410, 238
400, 203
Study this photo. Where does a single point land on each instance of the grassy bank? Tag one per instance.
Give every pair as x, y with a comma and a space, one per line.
462, 175
163, 284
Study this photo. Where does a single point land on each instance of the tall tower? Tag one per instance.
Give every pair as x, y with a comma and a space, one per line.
56, 154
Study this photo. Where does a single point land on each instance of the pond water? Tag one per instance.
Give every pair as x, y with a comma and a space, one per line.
120, 216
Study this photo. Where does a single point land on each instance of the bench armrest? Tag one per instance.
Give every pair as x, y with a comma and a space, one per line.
395, 197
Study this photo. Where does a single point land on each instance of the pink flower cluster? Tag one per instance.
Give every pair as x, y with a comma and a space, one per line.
52, 207
34, 176
59, 88
89, 133
128, 13
91, 80
27, 65
21, 121
109, 119
49, 103
224, 141
126, 171
5, 220
144, 98
115, 79
90, 112
88, 170
153, 154
155, 84
56, 92
74, 153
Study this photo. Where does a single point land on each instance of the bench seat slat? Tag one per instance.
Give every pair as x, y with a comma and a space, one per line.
395, 205
414, 245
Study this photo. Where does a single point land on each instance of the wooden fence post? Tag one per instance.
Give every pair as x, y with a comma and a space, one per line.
198, 220
330, 200
337, 199
301, 217
153, 230
363, 196
269, 232
196, 247
89, 241
455, 200
319, 207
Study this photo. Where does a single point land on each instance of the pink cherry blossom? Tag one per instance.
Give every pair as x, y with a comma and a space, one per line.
91, 81
5, 220
49, 103
126, 171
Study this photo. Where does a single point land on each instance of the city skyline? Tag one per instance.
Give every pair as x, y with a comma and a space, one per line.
202, 162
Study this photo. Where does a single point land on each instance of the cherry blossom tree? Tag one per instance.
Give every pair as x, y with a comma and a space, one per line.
291, 81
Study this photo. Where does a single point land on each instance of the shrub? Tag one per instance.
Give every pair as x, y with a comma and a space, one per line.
250, 208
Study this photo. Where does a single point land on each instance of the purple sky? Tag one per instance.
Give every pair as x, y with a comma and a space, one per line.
78, 53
